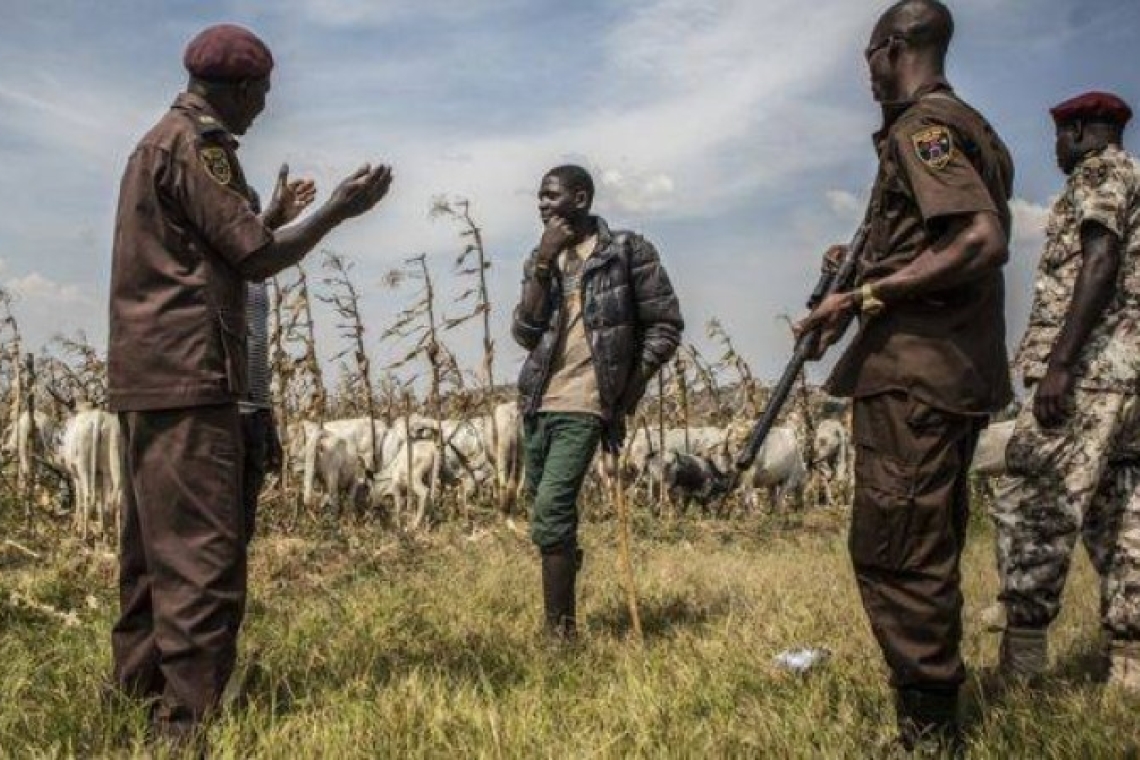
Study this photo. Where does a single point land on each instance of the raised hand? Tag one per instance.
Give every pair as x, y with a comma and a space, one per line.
361, 190
556, 236
290, 198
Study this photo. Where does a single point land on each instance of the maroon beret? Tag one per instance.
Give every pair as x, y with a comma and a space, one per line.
227, 52
1095, 106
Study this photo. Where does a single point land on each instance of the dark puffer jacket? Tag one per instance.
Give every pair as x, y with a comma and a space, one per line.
632, 321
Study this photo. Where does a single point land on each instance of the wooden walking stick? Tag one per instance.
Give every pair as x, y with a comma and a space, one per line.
625, 557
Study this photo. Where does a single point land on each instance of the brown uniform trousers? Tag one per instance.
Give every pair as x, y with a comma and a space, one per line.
908, 527
182, 575
255, 438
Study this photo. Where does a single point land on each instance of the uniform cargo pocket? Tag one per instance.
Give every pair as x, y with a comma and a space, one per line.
881, 529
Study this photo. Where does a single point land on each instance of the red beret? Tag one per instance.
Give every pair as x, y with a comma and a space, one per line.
227, 52
1096, 106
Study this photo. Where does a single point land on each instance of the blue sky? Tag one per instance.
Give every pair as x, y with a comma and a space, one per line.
734, 134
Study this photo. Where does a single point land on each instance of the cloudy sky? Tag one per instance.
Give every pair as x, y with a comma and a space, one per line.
733, 133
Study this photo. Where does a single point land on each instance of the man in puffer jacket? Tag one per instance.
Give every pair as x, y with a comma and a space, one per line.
599, 317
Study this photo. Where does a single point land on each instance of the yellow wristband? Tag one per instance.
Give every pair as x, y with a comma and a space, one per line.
869, 303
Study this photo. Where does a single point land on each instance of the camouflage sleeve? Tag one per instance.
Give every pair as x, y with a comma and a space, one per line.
1100, 194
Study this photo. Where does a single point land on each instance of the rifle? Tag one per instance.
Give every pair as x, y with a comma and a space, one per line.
831, 280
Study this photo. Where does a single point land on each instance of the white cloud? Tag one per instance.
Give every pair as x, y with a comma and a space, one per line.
1029, 221
845, 204
36, 287
376, 13
636, 192
45, 307
689, 112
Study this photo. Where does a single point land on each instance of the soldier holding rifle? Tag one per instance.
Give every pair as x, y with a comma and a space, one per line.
928, 364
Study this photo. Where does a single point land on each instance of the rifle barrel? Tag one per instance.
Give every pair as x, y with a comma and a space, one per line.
776, 401
829, 282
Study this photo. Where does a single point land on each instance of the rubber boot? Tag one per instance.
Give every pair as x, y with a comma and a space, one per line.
1124, 666
928, 722
1024, 652
559, 572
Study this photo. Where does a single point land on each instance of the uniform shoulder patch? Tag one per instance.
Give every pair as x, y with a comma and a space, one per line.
217, 164
934, 146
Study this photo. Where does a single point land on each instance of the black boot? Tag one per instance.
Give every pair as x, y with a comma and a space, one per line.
928, 722
559, 571
1024, 653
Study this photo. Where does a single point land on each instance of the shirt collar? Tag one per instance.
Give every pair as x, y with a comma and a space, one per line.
203, 114
892, 112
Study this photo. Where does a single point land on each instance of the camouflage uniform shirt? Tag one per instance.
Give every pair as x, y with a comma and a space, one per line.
1104, 188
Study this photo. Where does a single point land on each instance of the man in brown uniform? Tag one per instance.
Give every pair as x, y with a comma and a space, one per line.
928, 364
186, 240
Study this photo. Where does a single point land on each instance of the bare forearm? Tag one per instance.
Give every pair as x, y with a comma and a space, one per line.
290, 244
1092, 293
968, 250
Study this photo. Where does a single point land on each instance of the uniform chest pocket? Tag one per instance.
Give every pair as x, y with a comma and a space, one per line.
888, 202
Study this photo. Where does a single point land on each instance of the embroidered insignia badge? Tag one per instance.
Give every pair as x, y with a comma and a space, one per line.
934, 146
217, 164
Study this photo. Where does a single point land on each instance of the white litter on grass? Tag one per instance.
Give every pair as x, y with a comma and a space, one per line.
802, 660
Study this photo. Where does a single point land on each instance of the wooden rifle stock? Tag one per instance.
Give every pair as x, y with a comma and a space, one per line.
831, 280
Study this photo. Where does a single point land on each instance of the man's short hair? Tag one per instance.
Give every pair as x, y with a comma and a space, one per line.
574, 177
924, 24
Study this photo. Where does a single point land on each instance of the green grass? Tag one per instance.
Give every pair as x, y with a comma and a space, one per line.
363, 644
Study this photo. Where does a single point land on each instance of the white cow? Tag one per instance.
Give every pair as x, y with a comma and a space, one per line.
833, 455
338, 456
467, 459
408, 474
643, 459
779, 468
396, 470
507, 455
480, 450
710, 442
331, 459
90, 452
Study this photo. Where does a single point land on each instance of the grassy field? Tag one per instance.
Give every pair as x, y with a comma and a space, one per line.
363, 644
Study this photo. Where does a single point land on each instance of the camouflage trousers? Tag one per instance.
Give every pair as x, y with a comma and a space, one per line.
1081, 478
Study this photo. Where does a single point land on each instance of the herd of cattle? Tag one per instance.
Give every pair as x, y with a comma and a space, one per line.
407, 462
